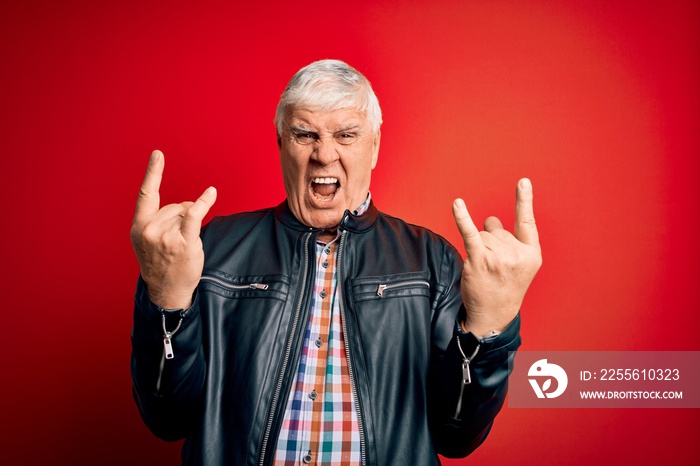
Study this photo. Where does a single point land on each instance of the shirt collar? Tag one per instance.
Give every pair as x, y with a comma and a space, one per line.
364, 206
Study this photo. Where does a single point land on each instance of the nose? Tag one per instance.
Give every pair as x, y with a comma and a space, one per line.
325, 151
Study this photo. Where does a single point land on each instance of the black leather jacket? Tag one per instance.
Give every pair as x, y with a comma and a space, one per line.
236, 350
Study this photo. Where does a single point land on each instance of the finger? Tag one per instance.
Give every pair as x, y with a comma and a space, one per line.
172, 225
148, 201
501, 235
192, 222
493, 242
492, 223
525, 228
165, 222
470, 234
172, 211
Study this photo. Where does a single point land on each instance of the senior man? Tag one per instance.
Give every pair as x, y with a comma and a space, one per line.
322, 331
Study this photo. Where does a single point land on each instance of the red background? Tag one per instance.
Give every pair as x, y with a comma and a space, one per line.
595, 101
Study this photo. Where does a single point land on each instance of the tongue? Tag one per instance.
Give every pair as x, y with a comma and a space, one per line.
325, 189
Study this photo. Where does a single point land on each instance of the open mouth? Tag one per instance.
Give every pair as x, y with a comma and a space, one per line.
324, 188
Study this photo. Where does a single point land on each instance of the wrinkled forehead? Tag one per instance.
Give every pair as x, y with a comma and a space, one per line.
322, 118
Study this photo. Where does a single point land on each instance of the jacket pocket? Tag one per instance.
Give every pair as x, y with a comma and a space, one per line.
390, 286
253, 286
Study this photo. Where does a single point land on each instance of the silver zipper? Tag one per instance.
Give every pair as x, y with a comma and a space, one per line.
466, 375
363, 459
168, 352
285, 361
252, 286
381, 288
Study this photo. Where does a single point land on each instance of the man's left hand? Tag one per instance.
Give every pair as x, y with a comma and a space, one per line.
499, 266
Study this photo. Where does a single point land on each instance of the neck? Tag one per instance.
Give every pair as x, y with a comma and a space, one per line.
327, 236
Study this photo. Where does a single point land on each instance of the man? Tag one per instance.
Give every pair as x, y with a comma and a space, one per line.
323, 331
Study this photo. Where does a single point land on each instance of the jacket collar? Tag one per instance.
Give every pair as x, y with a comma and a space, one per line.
350, 222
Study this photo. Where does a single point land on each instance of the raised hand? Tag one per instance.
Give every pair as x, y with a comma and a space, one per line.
166, 240
499, 266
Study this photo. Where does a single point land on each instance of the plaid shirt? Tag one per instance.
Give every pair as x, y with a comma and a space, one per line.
320, 423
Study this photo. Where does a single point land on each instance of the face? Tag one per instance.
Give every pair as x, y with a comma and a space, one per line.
327, 158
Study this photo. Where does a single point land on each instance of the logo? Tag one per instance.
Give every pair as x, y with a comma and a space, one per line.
547, 371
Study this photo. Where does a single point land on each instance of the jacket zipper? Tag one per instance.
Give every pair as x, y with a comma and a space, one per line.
252, 286
466, 375
168, 352
363, 454
285, 361
381, 288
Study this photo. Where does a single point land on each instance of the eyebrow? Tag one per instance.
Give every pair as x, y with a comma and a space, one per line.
301, 128
307, 130
347, 128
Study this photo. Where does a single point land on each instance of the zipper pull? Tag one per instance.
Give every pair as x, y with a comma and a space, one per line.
168, 346
466, 375
466, 380
380, 290
167, 336
258, 286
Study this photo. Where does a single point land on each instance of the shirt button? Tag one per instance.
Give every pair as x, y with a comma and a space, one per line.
324, 294
325, 265
307, 459
318, 342
327, 250
313, 394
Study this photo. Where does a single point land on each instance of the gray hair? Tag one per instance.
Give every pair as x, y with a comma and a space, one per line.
329, 85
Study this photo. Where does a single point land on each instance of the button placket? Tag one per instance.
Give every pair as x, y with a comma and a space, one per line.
318, 347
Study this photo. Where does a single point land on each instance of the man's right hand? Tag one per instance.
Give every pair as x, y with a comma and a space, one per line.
166, 240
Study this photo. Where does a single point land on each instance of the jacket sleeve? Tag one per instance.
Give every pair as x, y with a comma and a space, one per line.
167, 390
461, 414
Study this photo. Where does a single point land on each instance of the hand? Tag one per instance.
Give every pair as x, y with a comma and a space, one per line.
166, 240
499, 266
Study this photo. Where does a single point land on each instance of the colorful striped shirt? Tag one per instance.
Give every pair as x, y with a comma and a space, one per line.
320, 425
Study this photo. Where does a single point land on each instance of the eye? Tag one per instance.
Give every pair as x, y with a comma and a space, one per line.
304, 137
346, 138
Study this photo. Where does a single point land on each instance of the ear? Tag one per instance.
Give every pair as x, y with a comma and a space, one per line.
279, 141
375, 148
